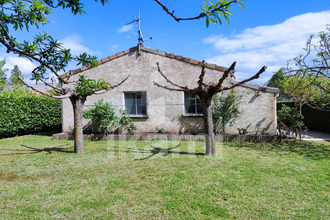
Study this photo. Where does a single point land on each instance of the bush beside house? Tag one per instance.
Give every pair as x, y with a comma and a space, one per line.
315, 119
24, 112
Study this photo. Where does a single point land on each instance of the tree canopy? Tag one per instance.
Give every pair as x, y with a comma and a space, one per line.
309, 75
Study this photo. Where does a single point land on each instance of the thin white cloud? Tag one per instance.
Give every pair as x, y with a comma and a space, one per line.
74, 42
268, 46
114, 47
126, 28
25, 65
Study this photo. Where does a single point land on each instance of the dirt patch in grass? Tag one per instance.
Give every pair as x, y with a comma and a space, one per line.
7, 176
11, 176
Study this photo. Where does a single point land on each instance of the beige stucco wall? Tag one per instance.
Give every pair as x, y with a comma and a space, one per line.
165, 108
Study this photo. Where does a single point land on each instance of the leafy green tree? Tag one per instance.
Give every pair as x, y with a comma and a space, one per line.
277, 81
51, 57
296, 88
225, 109
314, 67
15, 75
3, 75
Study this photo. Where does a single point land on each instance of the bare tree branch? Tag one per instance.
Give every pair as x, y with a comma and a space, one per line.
256, 76
68, 95
51, 85
118, 84
201, 76
168, 88
201, 15
168, 80
226, 74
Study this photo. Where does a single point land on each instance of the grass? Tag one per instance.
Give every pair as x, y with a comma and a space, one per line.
41, 178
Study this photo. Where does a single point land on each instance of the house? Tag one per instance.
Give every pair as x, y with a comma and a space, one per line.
152, 107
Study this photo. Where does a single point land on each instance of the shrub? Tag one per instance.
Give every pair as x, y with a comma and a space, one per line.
314, 119
225, 109
24, 112
104, 119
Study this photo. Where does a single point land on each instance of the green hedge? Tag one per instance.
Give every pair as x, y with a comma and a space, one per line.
315, 120
23, 112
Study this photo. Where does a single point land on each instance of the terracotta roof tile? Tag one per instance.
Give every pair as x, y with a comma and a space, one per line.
170, 55
105, 60
126, 51
211, 66
120, 54
150, 50
75, 71
133, 49
112, 57
219, 68
177, 57
83, 68
185, 59
192, 61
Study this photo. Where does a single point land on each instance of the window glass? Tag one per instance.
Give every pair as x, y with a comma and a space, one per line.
135, 103
193, 104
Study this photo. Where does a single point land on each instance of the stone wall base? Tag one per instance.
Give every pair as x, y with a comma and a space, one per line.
173, 137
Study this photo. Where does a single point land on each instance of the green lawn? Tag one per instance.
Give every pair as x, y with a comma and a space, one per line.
41, 178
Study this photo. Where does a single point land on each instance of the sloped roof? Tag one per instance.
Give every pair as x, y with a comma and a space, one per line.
171, 56
149, 50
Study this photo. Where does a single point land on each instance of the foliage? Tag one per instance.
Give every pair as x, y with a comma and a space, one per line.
213, 11
160, 130
314, 119
47, 52
104, 116
289, 117
313, 68
300, 90
24, 112
242, 131
225, 109
15, 75
3, 76
277, 81
88, 87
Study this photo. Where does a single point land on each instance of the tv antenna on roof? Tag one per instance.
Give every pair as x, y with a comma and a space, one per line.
140, 39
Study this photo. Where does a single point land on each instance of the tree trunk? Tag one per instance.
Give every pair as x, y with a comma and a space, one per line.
208, 125
300, 112
78, 107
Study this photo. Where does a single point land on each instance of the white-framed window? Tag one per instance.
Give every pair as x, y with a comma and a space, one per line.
192, 105
136, 104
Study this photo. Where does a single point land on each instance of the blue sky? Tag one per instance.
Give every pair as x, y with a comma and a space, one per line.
264, 33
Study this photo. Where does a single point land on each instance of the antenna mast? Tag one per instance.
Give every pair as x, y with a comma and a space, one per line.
140, 39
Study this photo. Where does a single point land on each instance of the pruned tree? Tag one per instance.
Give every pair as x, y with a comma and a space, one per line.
52, 58
206, 92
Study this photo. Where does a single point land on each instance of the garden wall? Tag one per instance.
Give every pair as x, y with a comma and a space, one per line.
171, 137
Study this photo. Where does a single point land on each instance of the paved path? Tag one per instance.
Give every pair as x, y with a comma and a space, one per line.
315, 135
